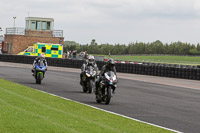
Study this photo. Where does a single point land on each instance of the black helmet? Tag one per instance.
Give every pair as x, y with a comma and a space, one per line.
110, 63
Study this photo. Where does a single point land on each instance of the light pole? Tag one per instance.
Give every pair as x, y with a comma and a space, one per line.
14, 20
1, 31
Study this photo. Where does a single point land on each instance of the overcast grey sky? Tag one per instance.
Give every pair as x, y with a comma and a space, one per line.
111, 21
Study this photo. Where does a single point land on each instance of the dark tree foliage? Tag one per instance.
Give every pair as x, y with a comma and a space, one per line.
157, 47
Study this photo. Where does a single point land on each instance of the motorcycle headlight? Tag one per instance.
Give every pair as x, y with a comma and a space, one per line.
110, 82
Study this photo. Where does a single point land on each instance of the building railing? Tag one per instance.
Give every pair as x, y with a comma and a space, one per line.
57, 33
22, 31
15, 31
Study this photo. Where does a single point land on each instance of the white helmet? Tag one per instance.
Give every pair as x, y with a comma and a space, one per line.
42, 56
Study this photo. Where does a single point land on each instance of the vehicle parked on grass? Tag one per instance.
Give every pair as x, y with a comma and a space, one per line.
108, 84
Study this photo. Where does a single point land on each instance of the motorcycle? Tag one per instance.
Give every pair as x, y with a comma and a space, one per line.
88, 79
39, 72
104, 88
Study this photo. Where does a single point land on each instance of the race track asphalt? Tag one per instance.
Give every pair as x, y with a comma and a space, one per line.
173, 107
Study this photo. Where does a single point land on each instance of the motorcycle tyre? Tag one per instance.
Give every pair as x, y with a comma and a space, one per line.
83, 86
108, 97
90, 86
40, 78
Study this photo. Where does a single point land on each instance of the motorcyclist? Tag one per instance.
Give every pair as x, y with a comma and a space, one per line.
89, 62
109, 66
37, 60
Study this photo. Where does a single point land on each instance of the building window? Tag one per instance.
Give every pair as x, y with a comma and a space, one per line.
54, 49
38, 25
33, 25
48, 25
43, 25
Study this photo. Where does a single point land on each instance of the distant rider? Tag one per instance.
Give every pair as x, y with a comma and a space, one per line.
89, 62
37, 61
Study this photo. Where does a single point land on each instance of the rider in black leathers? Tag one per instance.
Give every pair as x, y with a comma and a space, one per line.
109, 66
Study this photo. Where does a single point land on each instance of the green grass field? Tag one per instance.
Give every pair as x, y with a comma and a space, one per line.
23, 109
185, 60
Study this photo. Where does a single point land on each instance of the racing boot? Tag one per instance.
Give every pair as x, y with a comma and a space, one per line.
32, 72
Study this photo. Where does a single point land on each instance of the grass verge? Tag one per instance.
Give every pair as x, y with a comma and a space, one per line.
23, 109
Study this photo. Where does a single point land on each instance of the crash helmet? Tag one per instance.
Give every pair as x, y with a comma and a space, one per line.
90, 59
110, 63
42, 56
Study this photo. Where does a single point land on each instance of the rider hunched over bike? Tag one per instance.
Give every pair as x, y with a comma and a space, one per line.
37, 60
109, 66
89, 62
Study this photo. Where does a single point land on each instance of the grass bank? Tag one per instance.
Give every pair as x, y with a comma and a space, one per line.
23, 109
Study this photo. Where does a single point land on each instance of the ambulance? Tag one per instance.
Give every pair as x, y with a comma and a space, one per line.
50, 50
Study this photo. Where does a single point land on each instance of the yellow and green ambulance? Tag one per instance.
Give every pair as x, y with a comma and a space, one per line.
50, 50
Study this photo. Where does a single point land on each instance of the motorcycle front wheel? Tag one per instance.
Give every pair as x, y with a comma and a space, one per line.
84, 86
90, 86
40, 78
108, 95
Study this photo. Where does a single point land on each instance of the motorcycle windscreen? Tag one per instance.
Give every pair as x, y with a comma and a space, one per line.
90, 70
40, 63
110, 75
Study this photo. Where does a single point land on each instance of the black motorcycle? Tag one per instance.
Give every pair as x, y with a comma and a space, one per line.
88, 79
104, 88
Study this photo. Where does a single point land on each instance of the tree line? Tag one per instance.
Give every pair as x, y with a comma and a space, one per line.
157, 47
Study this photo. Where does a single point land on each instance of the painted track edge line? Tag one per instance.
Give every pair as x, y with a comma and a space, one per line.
112, 112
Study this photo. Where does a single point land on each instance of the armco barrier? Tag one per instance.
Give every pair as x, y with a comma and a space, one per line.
164, 70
